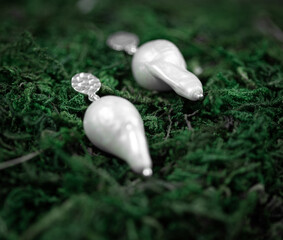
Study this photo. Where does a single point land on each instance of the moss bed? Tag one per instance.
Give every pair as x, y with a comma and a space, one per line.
218, 171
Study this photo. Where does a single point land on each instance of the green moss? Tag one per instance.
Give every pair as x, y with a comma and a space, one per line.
217, 163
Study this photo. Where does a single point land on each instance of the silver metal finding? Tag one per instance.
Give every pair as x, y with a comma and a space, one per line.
123, 41
88, 84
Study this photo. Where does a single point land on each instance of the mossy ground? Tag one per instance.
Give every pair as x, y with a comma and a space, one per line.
217, 163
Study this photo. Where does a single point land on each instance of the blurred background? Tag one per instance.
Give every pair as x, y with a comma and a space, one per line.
193, 25
149, 19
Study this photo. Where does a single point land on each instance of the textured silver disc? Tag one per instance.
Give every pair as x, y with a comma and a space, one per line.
123, 41
86, 83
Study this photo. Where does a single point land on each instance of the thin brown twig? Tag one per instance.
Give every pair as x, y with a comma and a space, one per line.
55, 108
192, 114
19, 160
186, 116
267, 26
170, 124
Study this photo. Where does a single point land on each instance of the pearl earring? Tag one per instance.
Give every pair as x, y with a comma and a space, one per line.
158, 65
114, 125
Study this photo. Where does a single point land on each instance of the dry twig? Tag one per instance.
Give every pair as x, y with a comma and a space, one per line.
19, 160
170, 124
187, 116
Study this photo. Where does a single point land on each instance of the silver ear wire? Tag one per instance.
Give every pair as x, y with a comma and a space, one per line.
88, 84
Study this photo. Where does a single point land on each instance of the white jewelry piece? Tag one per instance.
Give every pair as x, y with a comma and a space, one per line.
114, 125
158, 65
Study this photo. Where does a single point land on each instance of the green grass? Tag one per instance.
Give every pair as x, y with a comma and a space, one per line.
218, 175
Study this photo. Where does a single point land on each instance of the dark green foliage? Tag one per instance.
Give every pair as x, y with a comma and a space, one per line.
217, 163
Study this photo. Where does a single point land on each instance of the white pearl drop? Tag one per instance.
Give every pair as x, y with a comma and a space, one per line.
159, 65
115, 126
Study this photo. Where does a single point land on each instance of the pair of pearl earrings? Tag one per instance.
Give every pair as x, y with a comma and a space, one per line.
112, 123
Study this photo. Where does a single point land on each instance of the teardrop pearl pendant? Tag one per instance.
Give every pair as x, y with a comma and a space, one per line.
114, 125
158, 65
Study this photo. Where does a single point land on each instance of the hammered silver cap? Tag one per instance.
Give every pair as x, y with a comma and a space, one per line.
88, 84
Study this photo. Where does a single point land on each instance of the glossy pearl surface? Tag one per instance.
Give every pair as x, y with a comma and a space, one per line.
159, 65
115, 126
